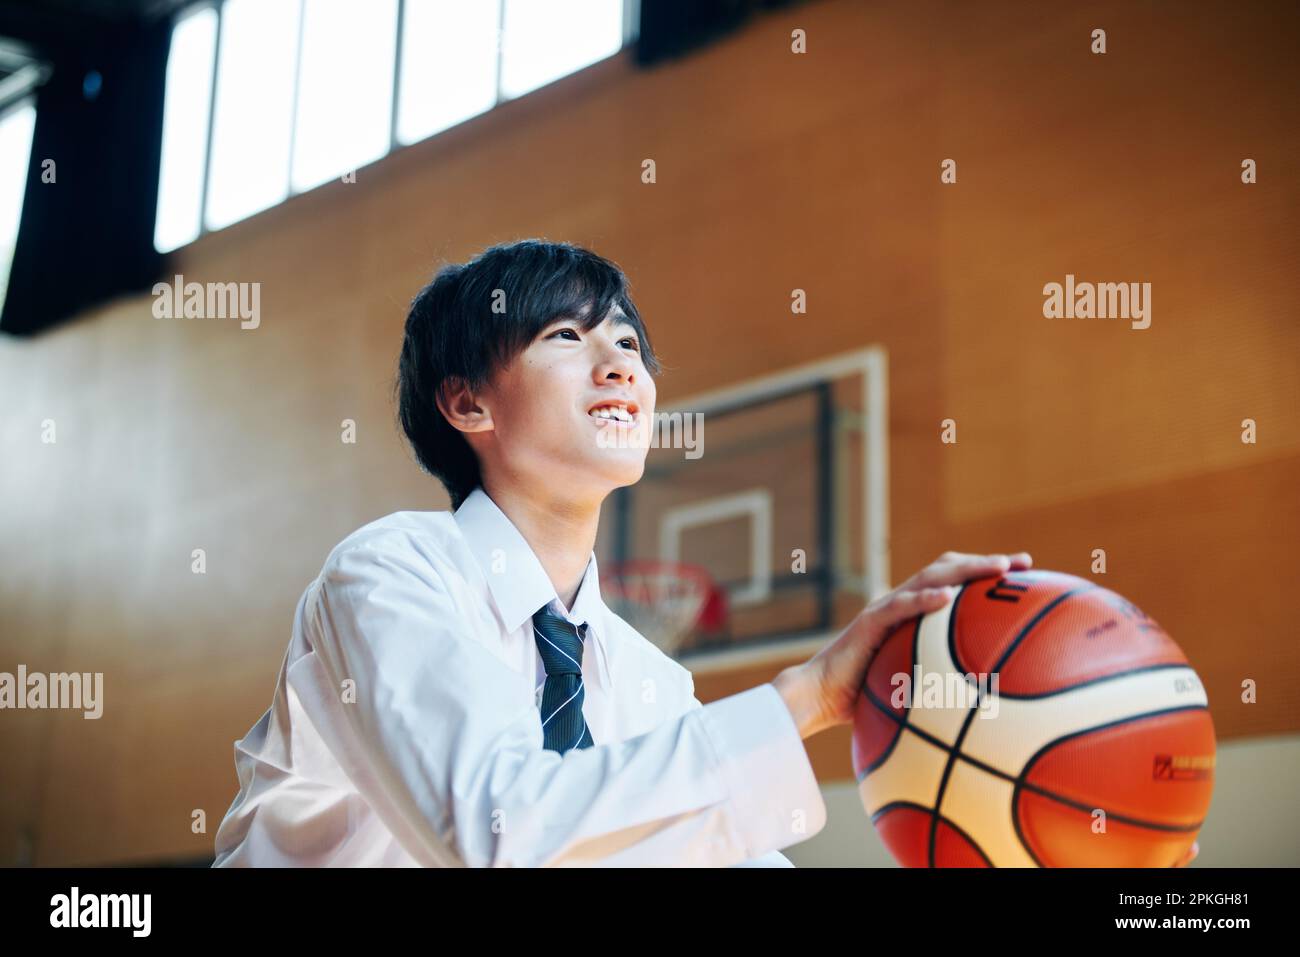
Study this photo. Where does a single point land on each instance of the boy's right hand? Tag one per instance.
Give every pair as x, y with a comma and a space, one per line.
823, 691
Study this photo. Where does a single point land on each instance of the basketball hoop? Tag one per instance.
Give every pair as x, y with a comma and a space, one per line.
665, 601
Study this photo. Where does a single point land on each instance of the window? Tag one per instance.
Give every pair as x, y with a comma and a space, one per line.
345, 88
266, 98
186, 111
16, 125
257, 63
449, 65
541, 42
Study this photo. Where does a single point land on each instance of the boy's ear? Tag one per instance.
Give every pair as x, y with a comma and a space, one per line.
461, 407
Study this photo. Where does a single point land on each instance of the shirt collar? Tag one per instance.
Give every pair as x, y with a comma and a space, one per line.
519, 585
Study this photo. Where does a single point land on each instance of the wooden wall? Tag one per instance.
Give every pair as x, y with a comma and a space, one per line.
775, 172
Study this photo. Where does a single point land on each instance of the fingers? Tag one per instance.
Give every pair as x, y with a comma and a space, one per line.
955, 568
1020, 559
937, 584
904, 603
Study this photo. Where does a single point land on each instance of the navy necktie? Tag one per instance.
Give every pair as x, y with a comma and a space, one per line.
560, 644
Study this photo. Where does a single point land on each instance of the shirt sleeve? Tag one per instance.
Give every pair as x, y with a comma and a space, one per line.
444, 742
772, 858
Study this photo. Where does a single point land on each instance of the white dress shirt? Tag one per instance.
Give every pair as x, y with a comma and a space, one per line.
405, 727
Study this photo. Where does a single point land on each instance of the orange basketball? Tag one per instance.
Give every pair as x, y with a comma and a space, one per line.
1036, 720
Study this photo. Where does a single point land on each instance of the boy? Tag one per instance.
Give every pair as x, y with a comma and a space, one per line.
455, 692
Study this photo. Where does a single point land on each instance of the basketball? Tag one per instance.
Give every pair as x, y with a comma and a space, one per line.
1037, 720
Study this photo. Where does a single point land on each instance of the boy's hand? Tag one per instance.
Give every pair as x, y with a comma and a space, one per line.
822, 692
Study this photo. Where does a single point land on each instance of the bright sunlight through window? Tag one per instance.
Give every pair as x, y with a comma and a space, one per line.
185, 130
542, 42
15, 150
449, 65
305, 89
254, 114
345, 88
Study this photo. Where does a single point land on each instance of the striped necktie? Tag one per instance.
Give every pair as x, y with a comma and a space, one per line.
560, 644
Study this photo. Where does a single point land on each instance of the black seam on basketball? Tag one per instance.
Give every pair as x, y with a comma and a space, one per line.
889, 749
947, 768
952, 633
1020, 834
953, 753
1022, 778
1020, 784
1038, 789
916, 651
944, 746
894, 805
1033, 622
1121, 818
902, 723
888, 713
997, 667
912, 805
969, 840
1092, 681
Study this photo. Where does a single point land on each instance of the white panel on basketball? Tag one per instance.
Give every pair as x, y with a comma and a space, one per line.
912, 773
1024, 725
980, 804
934, 659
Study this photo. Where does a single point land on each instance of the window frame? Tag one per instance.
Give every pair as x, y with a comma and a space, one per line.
631, 19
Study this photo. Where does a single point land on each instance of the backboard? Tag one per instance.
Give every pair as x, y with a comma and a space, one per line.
776, 486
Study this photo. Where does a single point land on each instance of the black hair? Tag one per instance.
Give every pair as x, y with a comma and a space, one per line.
456, 327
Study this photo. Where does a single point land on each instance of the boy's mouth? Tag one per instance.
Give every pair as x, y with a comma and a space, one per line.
614, 411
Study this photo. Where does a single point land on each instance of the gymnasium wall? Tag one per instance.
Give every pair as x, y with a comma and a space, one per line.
774, 172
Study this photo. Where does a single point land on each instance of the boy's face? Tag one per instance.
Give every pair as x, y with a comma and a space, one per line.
541, 410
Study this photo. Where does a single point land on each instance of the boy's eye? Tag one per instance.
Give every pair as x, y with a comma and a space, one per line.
632, 341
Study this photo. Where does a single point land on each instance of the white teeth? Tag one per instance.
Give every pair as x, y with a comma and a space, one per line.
611, 412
